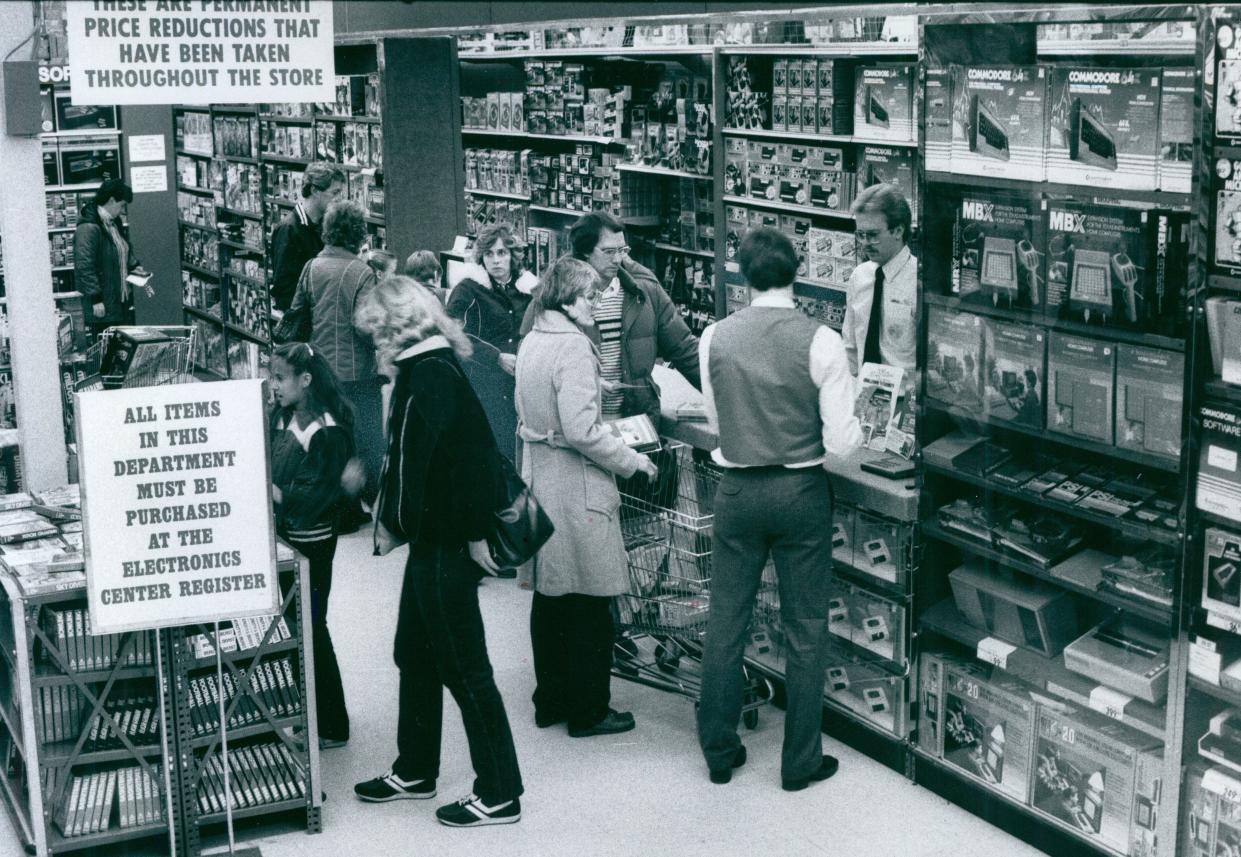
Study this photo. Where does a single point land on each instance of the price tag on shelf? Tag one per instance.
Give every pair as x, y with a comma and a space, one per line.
995, 652
1109, 703
1217, 782
1232, 626
1204, 660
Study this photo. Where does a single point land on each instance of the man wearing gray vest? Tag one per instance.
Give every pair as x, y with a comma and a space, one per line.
777, 385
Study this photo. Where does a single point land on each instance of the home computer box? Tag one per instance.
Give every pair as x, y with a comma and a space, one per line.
868, 690
1013, 383
1103, 126
1116, 267
890, 165
954, 359
1080, 395
1150, 385
883, 102
937, 119
997, 250
998, 124
1221, 573
1226, 180
1098, 777
1201, 814
1219, 479
1176, 129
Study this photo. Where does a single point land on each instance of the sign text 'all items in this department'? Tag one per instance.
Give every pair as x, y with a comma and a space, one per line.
200, 51
177, 504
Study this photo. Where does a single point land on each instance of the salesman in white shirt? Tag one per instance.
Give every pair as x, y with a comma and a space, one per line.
777, 385
883, 330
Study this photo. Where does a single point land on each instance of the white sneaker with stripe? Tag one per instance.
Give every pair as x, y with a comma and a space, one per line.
472, 812
388, 786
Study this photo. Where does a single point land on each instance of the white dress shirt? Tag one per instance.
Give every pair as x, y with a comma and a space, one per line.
898, 341
829, 370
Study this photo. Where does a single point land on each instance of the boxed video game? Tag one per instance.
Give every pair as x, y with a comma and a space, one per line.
1227, 84
989, 727
1080, 395
1098, 777
1099, 269
1221, 573
954, 364
997, 258
1201, 813
1176, 129
998, 121
930, 698
843, 526
1014, 372
1226, 178
1219, 480
869, 691
937, 119
883, 102
1103, 126
889, 165
1149, 398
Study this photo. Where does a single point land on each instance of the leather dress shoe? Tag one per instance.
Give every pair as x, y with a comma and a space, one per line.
613, 724
722, 776
826, 768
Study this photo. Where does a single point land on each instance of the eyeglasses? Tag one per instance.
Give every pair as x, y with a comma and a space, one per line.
869, 235
615, 252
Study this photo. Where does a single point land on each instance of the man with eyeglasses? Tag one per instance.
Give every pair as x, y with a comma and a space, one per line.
296, 239
635, 319
880, 323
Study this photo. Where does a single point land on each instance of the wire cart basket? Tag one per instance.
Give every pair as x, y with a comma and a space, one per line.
143, 356
662, 619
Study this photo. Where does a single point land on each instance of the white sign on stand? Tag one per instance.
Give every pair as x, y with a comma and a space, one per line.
194, 52
176, 505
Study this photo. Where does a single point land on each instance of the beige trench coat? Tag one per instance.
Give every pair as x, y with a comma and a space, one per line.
570, 460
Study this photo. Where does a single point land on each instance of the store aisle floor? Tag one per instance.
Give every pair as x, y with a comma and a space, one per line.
645, 792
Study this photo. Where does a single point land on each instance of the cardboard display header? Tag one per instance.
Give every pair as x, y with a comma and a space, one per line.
201, 51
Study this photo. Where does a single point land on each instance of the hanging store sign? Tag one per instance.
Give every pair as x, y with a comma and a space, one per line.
201, 51
176, 503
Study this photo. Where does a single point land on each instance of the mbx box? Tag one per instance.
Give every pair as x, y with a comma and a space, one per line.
1080, 395
1176, 130
1221, 573
1103, 127
997, 255
1111, 265
1149, 394
989, 728
937, 119
1014, 372
1098, 777
883, 102
954, 359
998, 121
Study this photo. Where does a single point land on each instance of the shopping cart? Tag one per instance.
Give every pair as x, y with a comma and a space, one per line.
167, 360
662, 619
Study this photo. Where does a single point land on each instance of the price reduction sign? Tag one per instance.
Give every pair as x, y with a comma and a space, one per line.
176, 504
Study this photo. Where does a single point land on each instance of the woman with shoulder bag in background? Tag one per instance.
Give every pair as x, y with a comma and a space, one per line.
570, 461
438, 492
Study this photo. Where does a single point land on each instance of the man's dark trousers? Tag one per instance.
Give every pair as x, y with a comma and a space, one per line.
788, 514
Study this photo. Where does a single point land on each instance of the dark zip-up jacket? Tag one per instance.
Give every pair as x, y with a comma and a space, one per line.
306, 465
294, 242
97, 268
440, 481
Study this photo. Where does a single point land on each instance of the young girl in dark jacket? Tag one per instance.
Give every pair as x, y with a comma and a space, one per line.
311, 443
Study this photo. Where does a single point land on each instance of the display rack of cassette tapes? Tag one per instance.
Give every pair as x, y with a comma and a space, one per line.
80, 715
268, 703
867, 679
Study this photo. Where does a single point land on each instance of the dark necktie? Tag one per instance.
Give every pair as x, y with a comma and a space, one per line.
870, 354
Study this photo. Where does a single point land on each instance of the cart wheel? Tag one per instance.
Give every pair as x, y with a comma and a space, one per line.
667, 660
750, 718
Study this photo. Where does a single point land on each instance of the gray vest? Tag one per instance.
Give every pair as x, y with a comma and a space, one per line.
768, 405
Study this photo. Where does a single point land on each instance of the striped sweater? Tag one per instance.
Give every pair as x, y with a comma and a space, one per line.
306, 465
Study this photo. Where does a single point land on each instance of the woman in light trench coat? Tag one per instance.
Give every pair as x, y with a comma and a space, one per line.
570, 460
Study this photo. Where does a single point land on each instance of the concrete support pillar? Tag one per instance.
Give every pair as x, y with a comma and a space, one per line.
28, 285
